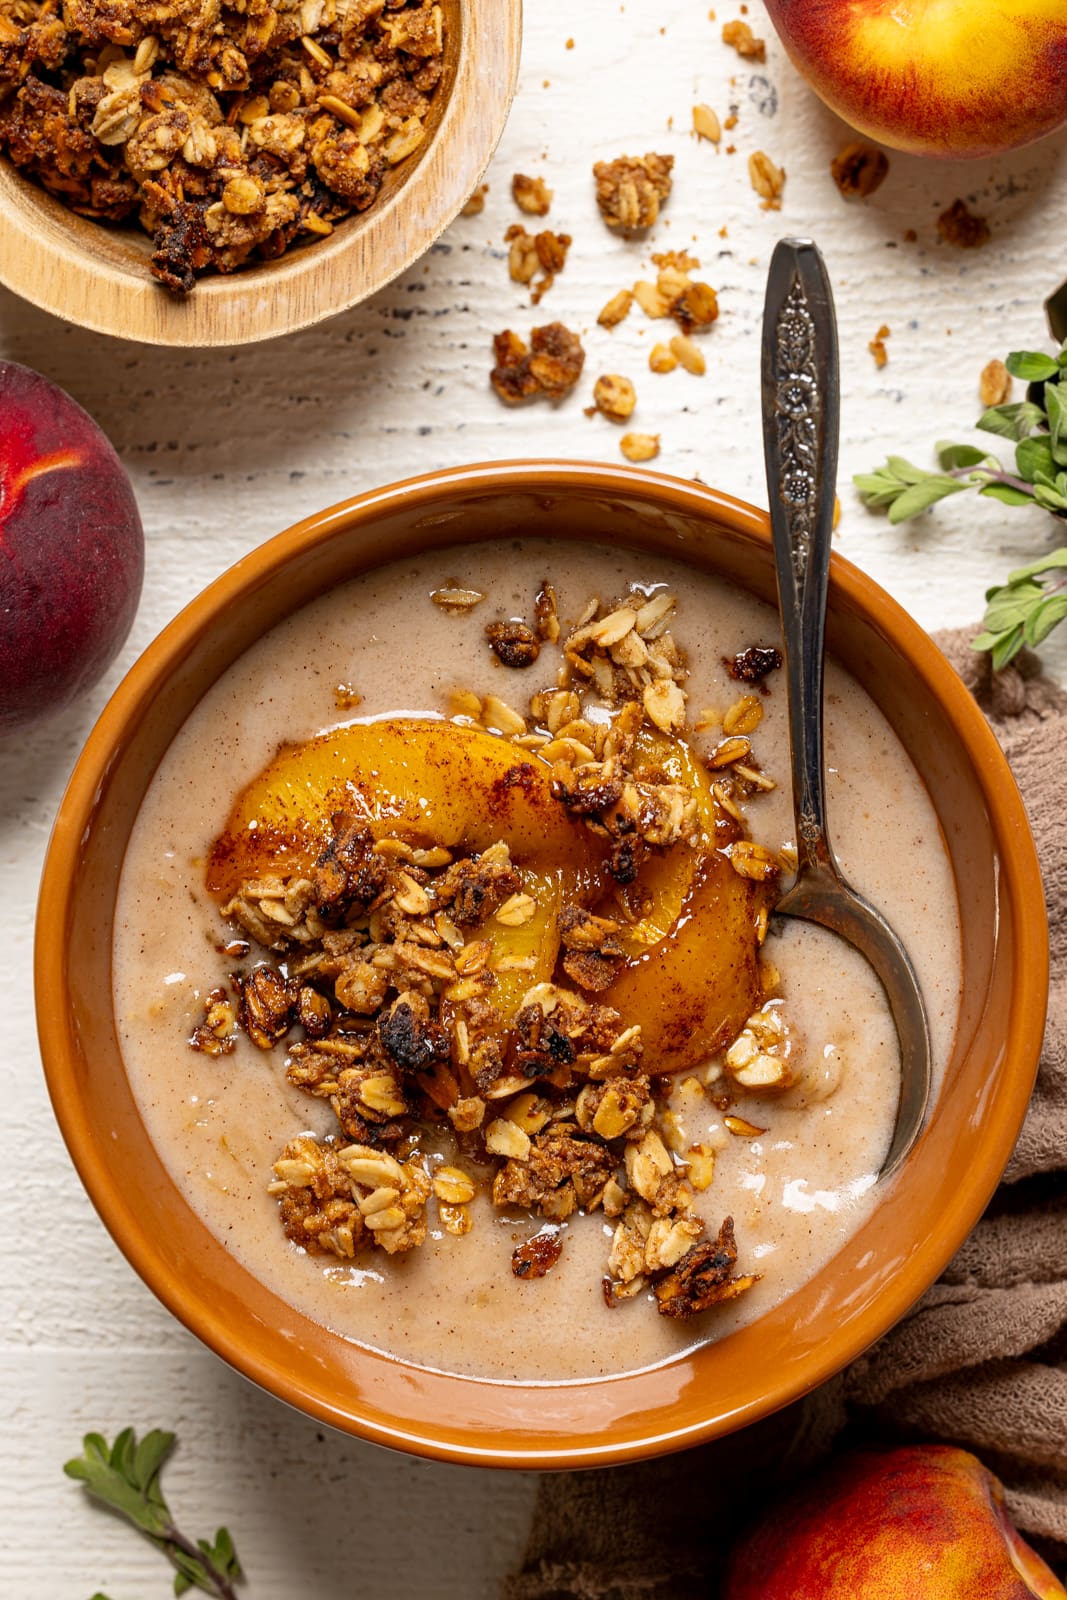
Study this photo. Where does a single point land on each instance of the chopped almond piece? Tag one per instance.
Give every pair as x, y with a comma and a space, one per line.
706, 124
744, 41
476, 204
531, 195
639, 446
994, 386
767, 179
877, 346
617, 308
615, 397
688, 355
662, 359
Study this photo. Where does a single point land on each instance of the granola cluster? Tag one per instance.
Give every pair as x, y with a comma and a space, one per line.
546, 368
230, 129
631, 189
378, 972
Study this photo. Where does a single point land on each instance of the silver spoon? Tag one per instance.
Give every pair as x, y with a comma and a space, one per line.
801, 397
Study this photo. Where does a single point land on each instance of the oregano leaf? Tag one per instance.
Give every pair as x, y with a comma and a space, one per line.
918, 496
1016, 420
1007, 493
1031, 366
951, 455
1033, 460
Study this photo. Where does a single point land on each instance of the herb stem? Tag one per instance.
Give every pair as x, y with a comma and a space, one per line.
173, 1536
988, 476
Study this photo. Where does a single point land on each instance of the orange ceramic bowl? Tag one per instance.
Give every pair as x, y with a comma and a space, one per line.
929, 1207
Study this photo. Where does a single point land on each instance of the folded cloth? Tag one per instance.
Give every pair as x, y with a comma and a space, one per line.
980, 1361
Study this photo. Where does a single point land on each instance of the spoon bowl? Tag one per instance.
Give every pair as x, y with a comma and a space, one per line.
801, 404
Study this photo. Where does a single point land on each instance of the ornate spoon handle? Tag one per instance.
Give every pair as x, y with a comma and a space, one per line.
801, 401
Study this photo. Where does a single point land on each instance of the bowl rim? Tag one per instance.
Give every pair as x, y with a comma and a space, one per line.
53, 269
1020, 881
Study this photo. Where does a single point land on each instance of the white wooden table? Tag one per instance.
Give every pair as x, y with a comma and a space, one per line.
229, 447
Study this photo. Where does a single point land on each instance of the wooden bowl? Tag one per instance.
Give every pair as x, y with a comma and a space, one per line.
97, 275
930, 1205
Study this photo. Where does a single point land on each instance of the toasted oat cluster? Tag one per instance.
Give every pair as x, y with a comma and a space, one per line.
859, 169
631, 189
374, 972
962, 227
230, 129
547, 368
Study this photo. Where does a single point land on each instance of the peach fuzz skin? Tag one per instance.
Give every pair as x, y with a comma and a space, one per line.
923, 1522
71, 549
950, 78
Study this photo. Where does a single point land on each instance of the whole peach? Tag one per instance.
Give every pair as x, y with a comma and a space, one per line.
71, 548
924, 1522
934, 77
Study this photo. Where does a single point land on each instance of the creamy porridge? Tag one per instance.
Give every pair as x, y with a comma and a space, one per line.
795, 1169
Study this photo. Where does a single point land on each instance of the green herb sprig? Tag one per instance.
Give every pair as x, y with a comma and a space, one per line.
125, 1476
1026, 608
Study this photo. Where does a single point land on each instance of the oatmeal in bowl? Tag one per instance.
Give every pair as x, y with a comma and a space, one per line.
451, 1020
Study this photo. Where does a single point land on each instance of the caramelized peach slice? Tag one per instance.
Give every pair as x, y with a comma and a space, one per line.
692, 977
659, 891
428, 783
693, 990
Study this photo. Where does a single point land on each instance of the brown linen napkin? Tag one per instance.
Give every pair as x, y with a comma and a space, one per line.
980, 1361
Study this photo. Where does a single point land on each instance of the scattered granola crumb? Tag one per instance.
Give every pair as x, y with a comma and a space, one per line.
453, 597
639, 446
549, 368
675, 293
877, 346
531, 195
688, 355
631, 189
528, 254
744, 41
760, 1057
859, 169
616, 310
731, 122
961, 227
513, 643
570, 44
994, 386
767, 179
706, 124
217, 1034
910, 236
703, 1277
614, 397
545, 610
538, 1255
754, 664
476, 204
662, 359
346, 698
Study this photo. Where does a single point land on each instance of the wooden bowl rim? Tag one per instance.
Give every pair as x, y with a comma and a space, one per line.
60, 269
623, 1414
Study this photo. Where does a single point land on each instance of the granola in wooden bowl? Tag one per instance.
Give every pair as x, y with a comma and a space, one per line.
290, 158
